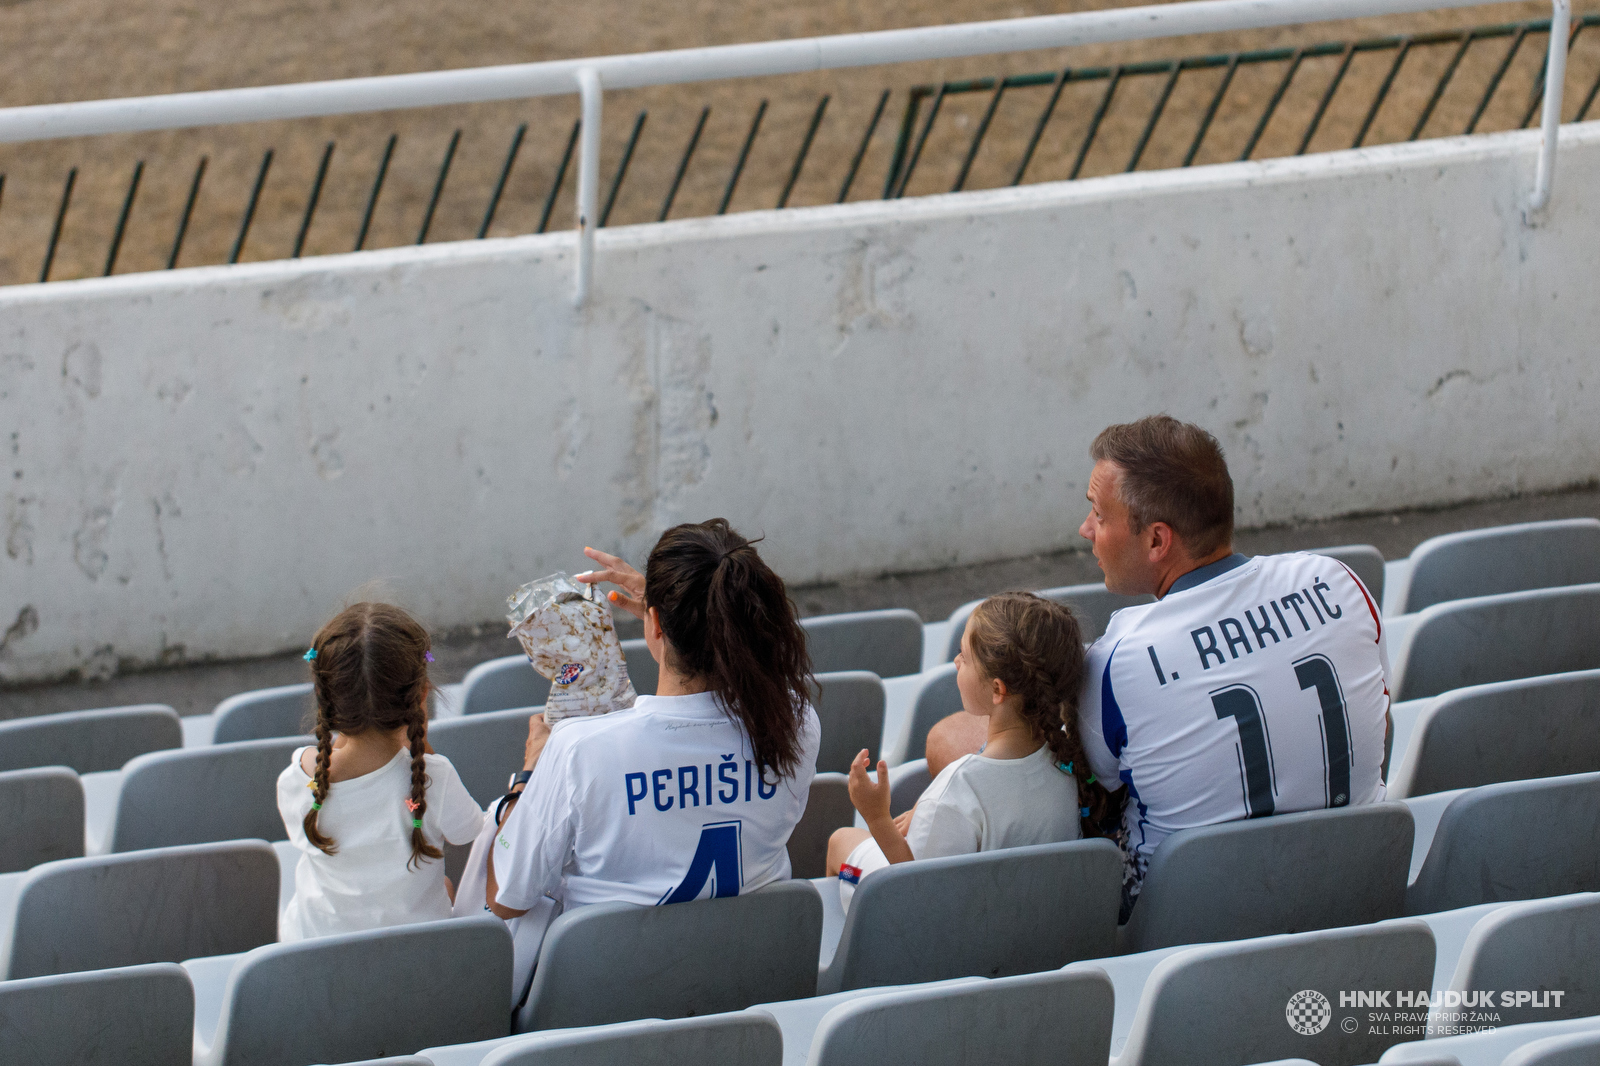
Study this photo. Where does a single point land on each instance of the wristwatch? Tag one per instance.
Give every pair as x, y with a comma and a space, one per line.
518, 778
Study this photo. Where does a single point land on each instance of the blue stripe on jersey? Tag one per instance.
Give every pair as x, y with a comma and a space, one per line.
1112, 725
1144, 820
1200, 575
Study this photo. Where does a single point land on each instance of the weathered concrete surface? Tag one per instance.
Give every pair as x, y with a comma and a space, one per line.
207, 463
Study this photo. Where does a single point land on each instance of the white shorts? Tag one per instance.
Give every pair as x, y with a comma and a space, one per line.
866, 858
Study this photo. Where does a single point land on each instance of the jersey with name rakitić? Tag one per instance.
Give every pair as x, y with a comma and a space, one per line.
1254, 687
661, 803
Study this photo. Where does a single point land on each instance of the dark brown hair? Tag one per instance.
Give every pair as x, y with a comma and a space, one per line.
1172, 472
729, 622
370, 671
1035, 646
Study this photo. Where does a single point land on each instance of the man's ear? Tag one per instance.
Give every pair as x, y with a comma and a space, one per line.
1159, 541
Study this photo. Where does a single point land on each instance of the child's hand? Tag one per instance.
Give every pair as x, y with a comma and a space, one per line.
538, 734
902, 821
870, 798
619, 573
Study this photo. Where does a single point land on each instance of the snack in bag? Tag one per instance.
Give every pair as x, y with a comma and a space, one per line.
570, 639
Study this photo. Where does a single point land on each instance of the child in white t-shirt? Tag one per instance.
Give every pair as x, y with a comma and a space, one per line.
364, 805
1020, 667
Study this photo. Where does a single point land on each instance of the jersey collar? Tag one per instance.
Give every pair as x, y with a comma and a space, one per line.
1200, 575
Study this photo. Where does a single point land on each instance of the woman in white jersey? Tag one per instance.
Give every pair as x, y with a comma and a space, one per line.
691, 793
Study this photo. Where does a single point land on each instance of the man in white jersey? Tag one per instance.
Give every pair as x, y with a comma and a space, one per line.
1250, 687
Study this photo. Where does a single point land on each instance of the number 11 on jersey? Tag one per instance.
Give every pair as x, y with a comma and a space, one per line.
1256, 770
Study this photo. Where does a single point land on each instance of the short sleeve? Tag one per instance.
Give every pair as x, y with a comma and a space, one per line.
533, 846
1092, 716
460, 817
945, 820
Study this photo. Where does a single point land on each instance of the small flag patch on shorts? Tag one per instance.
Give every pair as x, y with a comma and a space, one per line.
850, 873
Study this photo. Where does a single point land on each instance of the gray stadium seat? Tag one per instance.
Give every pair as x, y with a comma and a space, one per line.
1535, 947
1365, 560
1575, 1049
827, 808
41, 817
1290, 873
1493, 1047
363, 995
907, 783
197, 795
393, 1060
887, 643
485, 748
1226, 1004
502, 684
1512, 841
850, 709
1059, 1018
135, 1016
89, 741
1516, 558
936, 699
1508, 731
286, 711
741, 1039
679, 960
1092, 604
993, 914
162, 905
1498, 638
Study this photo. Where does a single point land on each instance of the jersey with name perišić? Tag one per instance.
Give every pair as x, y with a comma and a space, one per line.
1254, 687
660, 803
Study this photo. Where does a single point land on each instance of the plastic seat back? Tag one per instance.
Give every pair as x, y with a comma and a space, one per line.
1092, 604
89, 741
1537, 947
886, 643
1277, 997
1512, 841
1516, 558
135, 1016
827, 808
286, 711
162, 905
198, 795
743, 1039
850, 710
503, 684
936, 699
1289, 873
1573, 1049
1508, 731
1060, 1018
41, 811
704, 957
1364, 559
485, 749
1499, 638
993, 914
366, 995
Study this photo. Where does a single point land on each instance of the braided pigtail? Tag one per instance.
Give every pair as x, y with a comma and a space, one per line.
1035, 646
418, 803
319, 787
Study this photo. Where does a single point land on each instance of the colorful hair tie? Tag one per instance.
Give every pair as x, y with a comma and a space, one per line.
1092, 780
1065, 767
316, 806
417, 822
311, 653
1083, 812
427, 656
412, 805
312, 783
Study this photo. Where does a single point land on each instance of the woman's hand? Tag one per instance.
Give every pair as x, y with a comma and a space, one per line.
538, 735
870, 798
619, 573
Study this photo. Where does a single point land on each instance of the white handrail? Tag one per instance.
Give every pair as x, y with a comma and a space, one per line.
559, 77
1555, 75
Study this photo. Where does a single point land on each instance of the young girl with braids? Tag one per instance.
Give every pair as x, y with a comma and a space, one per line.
1021, 666
369, 806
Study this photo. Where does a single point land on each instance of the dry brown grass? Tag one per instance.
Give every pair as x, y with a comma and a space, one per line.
82, 49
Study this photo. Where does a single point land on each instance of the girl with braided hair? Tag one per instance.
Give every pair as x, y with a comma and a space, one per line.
369, 805
1020, 668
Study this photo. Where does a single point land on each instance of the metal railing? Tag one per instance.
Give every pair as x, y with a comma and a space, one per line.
589, 78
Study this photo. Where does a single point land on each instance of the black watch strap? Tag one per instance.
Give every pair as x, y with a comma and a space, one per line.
518, 778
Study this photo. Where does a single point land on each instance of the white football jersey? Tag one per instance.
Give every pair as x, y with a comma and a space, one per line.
1254, 687
661, 803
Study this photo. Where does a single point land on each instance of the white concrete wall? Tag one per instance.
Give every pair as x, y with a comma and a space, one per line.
208, 462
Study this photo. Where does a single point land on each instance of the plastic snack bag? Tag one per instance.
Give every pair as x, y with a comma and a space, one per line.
570, 639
